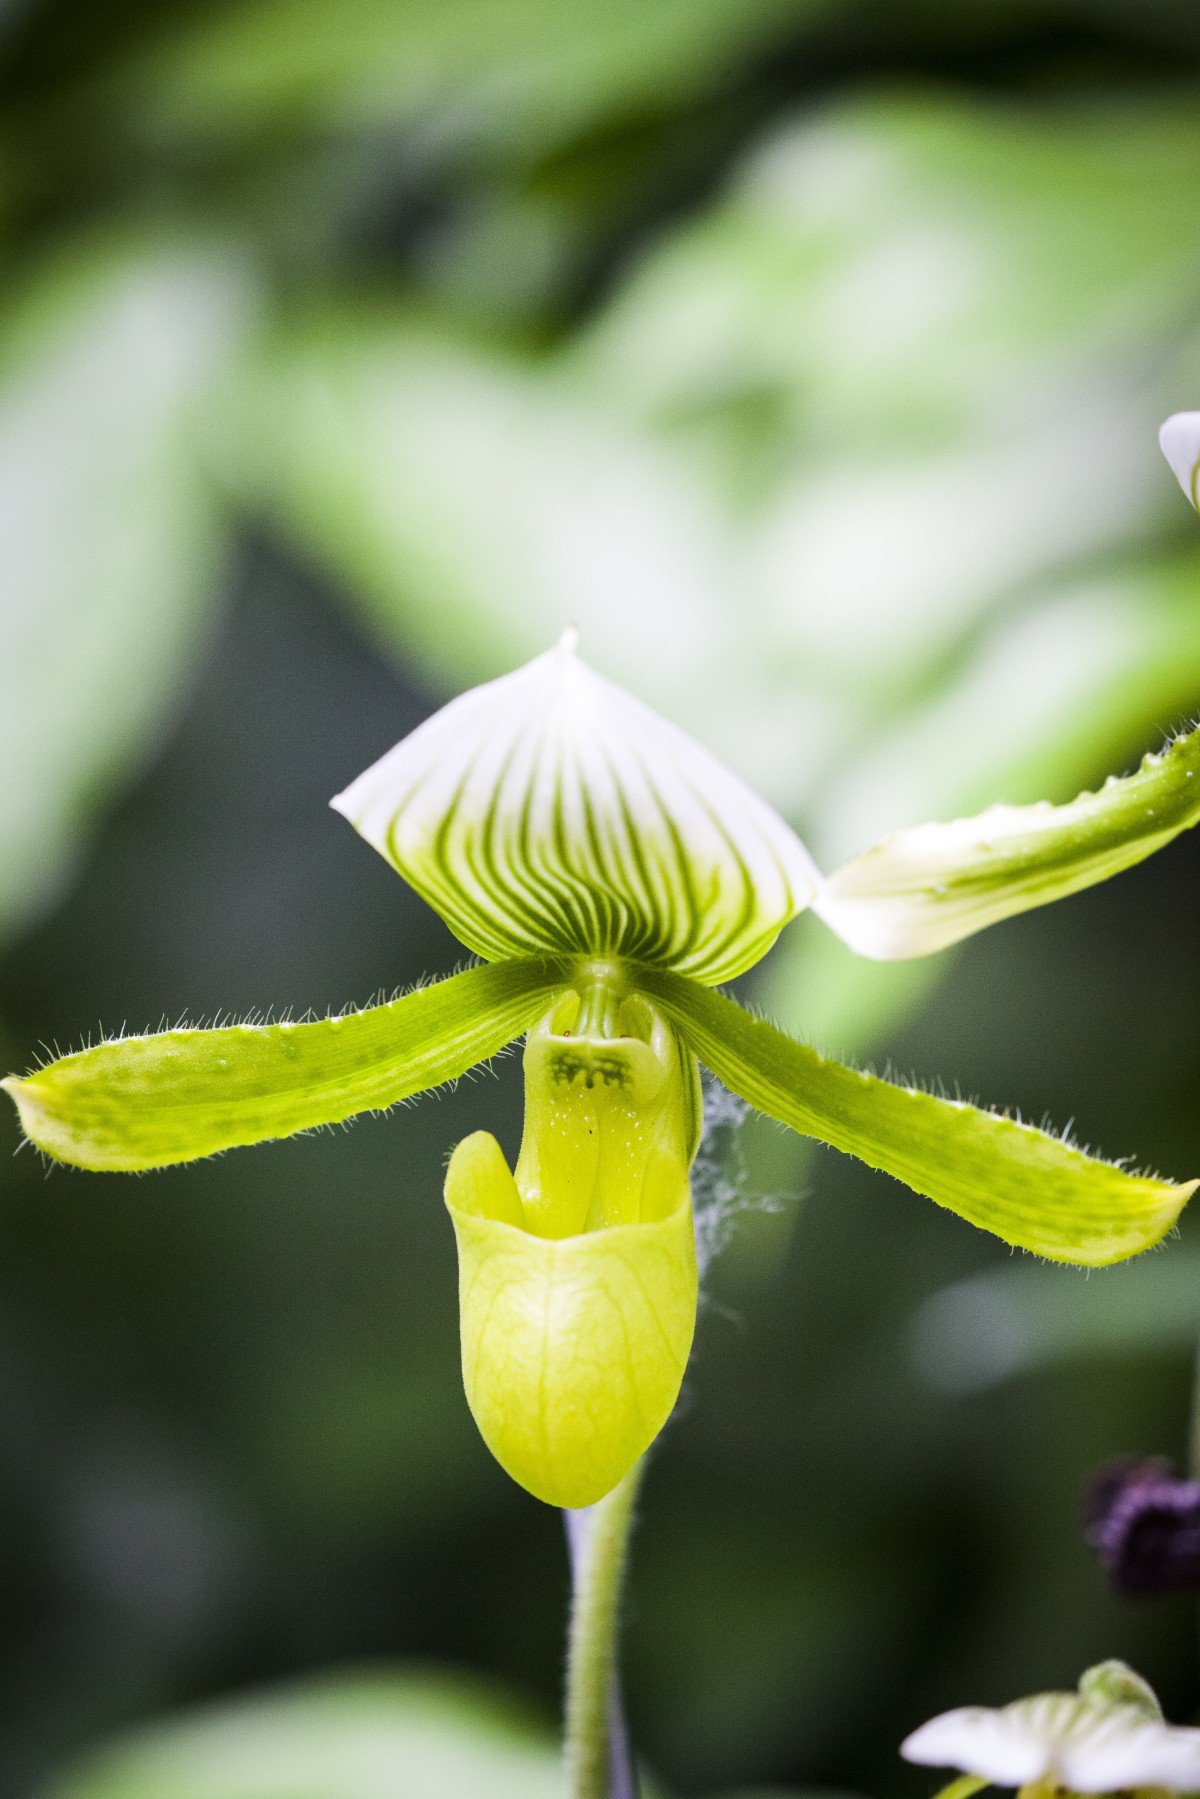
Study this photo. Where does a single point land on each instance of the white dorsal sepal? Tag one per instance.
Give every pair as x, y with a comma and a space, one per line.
550, 811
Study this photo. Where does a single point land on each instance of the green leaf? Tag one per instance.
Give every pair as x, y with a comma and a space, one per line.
113, 550
347, 1736
145, 1102
1029, 1188
922, 889
687, 480
533, 71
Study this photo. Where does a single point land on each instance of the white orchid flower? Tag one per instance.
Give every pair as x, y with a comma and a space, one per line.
1108, 1737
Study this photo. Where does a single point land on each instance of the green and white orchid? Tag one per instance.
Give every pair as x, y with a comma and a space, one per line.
611, 874
1107, 1737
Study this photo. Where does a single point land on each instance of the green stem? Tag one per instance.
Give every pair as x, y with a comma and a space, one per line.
597, 1753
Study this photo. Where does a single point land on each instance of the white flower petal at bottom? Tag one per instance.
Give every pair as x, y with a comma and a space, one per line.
1179, 440
1002, 1746
1078, 1743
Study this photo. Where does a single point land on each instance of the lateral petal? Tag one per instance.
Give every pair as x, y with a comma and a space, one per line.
146, 1102
1029, 1188
923, 889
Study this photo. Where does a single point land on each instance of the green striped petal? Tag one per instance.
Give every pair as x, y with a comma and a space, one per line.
1031, 1189
145, 1102
923, 889
550, 811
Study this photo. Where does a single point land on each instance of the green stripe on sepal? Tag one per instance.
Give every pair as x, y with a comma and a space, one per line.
145, 1102
551, 812
1033, 1190
920, 890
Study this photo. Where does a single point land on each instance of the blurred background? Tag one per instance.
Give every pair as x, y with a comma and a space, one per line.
809, 355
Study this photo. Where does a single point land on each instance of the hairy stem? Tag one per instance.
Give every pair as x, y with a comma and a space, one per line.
599, 1764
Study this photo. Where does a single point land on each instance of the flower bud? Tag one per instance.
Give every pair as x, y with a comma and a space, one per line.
577, 1276
1144, 1524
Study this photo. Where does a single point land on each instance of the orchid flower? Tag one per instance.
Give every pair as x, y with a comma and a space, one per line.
611, 875
1108, 1737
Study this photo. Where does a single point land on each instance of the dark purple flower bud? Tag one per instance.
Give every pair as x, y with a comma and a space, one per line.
1144, 1525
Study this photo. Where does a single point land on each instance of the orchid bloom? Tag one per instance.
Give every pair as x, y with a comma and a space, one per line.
1108, 1737
611, 874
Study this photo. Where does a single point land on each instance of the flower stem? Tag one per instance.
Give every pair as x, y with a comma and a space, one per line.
599, 1763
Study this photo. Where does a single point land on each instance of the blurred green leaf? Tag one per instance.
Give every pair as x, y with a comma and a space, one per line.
770, 1654
112, 548
991, 1327
841, 1003
1052, 695
906, 372
514, 69
369, 1734
476, 505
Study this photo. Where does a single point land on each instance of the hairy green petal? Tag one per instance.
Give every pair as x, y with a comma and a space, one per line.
145, 1102
1030, 1188
920, 890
